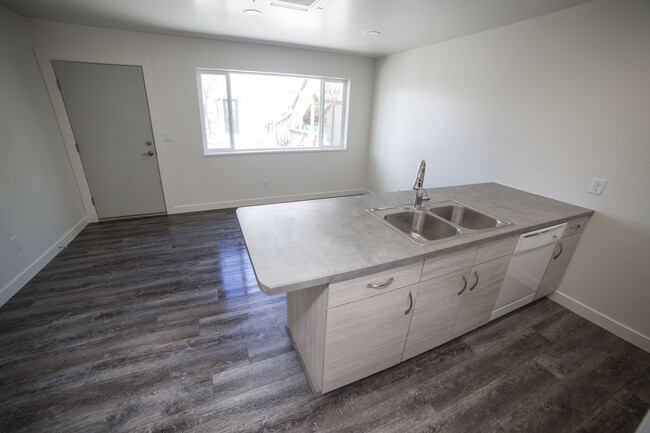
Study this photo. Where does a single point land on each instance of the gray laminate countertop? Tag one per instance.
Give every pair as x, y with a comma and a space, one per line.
297, 245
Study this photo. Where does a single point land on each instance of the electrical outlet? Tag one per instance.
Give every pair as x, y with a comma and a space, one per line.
265, 183
597, 186
15, 243
399, 188
167, 136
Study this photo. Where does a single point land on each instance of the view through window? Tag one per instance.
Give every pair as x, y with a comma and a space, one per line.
245, 111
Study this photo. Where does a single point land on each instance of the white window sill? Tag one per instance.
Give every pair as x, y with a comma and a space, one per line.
263, 151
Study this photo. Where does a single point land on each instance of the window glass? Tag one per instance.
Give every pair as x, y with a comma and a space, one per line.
333, 114
215, 111
244, 112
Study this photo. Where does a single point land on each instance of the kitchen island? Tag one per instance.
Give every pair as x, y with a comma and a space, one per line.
361, 297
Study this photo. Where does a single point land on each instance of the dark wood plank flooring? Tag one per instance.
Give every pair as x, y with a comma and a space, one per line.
157, 325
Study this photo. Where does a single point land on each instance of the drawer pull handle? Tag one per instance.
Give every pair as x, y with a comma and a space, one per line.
380, 286
575, 227
410, 303
464, 285
558, 254
476, 283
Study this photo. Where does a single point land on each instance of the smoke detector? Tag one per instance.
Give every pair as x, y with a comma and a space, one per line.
302, 5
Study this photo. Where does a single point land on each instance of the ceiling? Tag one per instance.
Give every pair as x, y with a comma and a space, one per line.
333, 25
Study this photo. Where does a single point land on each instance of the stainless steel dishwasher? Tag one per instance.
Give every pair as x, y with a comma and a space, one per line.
526, 269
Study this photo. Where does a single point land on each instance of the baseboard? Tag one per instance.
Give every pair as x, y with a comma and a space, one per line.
264, 200
616, 328
23, 278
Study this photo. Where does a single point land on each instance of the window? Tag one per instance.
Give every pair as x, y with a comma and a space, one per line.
257, 112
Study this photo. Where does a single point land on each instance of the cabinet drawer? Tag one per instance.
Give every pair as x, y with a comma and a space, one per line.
447, 263
575, 227
357, 288
493, 249
366, 336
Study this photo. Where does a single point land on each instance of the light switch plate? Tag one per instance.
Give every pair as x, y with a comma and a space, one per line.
167, 136
597, 186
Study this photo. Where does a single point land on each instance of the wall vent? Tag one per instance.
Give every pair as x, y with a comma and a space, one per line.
302, 5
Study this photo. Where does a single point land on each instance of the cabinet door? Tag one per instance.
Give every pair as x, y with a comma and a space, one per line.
366, 336
436, 308
477, 304
557, 266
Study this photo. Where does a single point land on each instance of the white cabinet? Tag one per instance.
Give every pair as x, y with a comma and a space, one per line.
557, 266
436, 308
366, 336
348, 330
478, 299
352, 329
457, 297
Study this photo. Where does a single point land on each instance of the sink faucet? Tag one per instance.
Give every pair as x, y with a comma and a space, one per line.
417, 185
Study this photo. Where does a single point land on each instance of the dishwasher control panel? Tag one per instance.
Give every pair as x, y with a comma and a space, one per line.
539, 238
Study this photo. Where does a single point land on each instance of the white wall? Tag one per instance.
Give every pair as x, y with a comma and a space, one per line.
196, 182
39, 200
544, 105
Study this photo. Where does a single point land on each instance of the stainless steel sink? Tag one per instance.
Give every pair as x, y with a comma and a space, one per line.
437, 221
467, 217
421, 226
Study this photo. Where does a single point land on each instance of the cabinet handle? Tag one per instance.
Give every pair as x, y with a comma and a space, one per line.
380, 286
464, 285
476, 283
410, 303
558, 254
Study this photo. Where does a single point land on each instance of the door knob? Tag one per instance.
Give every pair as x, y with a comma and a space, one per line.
150, 153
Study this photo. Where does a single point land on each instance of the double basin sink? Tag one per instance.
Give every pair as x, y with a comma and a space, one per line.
437, 221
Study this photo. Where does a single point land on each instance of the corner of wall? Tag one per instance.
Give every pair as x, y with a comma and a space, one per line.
23, 278
605, 322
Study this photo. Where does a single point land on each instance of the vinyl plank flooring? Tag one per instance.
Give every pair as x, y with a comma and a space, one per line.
568, 354
296, 419
509, 326
462, 380
351, 400
157, 324
404, 412
622, 412
253, 375
639, 386
582, 392
218, 415
484, 407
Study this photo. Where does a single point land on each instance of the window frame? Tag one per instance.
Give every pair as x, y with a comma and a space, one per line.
232, 151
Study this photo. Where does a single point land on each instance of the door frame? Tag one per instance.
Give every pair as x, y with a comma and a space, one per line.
44, 57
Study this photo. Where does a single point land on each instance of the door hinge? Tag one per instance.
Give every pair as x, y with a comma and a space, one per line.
77, 146
93, 200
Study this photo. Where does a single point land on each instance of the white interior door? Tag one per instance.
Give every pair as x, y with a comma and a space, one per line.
109, 114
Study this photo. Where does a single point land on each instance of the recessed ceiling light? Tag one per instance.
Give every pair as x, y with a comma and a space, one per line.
253, 12
373, 33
